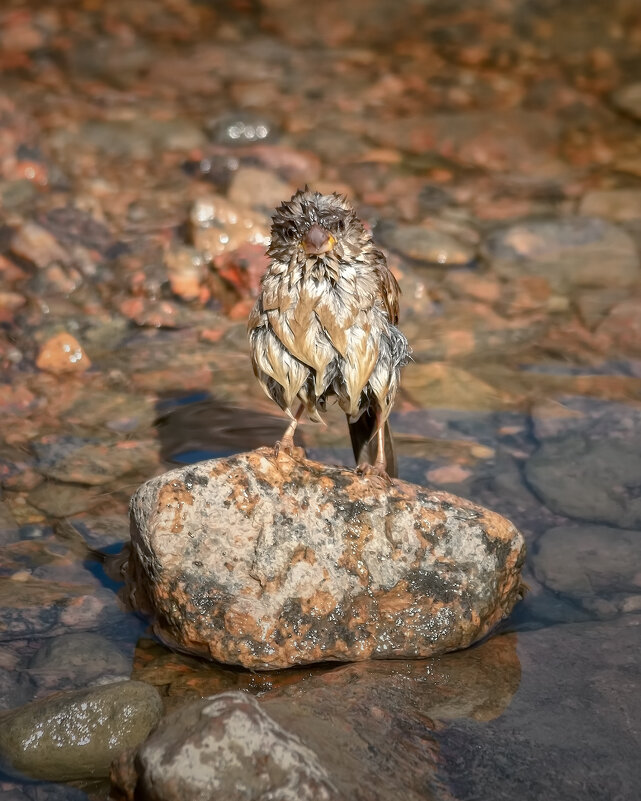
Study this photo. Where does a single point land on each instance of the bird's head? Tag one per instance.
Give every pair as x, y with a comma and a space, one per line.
317, 227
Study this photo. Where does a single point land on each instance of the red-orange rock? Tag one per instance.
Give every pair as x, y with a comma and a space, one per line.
269, 562
63, 354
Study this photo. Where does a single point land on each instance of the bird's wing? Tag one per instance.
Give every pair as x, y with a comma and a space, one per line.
389, 288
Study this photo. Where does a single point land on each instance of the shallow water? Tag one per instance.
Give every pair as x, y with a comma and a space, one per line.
494, 149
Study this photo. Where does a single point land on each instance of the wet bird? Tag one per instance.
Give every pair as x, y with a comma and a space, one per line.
324, 325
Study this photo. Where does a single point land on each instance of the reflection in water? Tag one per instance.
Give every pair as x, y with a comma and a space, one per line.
373, 722
208, 428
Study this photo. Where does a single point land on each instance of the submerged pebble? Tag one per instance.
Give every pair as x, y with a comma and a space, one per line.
63, 354
596, 566
78, 659
592, 480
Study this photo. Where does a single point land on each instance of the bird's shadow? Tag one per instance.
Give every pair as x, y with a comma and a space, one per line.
195, 427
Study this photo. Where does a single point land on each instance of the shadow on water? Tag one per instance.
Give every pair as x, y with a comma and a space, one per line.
198, 426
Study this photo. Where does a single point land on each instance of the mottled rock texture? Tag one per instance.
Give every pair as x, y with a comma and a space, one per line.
268, 562
223, 747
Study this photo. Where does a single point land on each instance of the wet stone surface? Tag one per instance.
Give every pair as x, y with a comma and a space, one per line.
270, 562
568, 475
211, 749
493, 149
347, 718
77, 660
76, 735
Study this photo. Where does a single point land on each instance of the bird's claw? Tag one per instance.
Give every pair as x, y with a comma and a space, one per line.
287, 446
375, 471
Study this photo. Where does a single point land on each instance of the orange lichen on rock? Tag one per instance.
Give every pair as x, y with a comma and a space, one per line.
275, 560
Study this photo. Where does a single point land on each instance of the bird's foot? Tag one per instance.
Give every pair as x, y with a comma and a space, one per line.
374, 471
286, 445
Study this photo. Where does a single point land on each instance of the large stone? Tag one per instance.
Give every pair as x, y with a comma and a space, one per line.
76, 735
570, 252
269, 561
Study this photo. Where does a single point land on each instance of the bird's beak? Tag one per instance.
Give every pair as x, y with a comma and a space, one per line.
317, 241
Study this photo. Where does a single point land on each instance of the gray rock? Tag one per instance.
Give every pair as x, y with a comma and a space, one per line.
76, 660
272, 561
428, 245
9, 529
15, 689
76, 735
570, 733
38, 607
569, 252
228, 747
597, 566
592, 418
63, 500
101, 531
593, 480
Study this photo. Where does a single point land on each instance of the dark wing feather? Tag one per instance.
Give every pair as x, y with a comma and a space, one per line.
389, 287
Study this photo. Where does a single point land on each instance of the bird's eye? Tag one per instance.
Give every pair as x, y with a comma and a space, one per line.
290, 232
340, 226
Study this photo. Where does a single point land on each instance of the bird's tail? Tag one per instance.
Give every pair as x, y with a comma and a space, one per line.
363, 435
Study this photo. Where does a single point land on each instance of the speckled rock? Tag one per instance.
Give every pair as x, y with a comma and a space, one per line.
271, 561
76, 735
211, 749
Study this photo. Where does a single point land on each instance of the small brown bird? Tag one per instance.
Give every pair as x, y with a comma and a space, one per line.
325, 324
